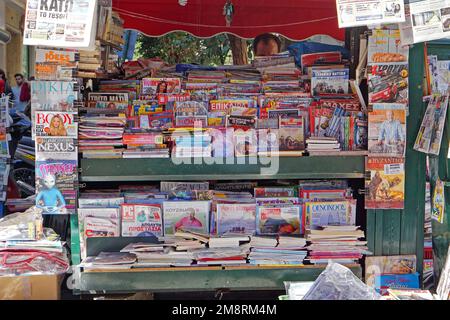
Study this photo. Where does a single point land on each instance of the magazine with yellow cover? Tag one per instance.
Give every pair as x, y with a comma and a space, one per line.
386, 186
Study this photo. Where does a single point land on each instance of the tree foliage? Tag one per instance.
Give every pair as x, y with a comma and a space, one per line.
181, 47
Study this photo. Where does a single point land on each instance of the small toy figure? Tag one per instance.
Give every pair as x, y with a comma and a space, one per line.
228, 12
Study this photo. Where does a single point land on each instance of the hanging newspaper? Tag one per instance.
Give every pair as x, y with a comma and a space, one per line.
352, 13
438, 208
426, 20
59, 23
431, 130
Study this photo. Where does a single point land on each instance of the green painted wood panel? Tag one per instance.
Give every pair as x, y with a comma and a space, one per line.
323, 167
439, 167
392, 232
199, 279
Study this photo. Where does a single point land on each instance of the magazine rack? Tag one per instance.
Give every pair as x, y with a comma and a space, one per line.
389, 232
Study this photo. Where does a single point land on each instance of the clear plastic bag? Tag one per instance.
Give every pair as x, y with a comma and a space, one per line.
297, 290
22, 225
338, 282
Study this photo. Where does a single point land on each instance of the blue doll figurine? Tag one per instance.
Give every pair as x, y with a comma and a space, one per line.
50, 199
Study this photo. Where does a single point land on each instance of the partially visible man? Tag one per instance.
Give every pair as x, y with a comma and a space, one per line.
266, 44
22, 94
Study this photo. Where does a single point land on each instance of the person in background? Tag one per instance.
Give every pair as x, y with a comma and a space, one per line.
266, 44
5, 88
22, 94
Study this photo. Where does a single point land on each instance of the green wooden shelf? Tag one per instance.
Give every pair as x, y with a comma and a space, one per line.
318, 167
197, 278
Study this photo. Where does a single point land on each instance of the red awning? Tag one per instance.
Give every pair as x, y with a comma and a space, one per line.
295, 19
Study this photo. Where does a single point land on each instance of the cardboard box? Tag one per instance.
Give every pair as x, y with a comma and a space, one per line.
35, 287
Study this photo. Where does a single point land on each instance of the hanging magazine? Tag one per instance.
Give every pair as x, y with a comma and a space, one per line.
431, 130
56, 148
56, 184
58, 96
387, 129
388, 82
386, 187
55, 124
438, 208
52, 64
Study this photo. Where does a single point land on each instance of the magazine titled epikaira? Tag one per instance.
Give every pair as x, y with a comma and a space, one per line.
279, 220
186, 215
141, 220
55, 124
236, 218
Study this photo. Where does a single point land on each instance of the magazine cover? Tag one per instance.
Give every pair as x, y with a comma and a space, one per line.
186, 215
279, 220
97, 223
237, 218
388, 82
329, 81
139, 220
169, 186
55, 124
431, 130
268, 140
49, 148
240, 122
387, 130
154, 86
56, 186
245, 143
261, 192
385, 46
330, 213
388, 265
51, 64
191, 113
383, 282
386, 187
53, 95
438, 203
291, 134
108, 100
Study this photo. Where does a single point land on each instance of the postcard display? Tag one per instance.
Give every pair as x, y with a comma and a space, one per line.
4, 148
387, 69
54, 104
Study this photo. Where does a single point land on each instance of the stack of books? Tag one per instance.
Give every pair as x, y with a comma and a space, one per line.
145, 145
340, 244
322, 145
